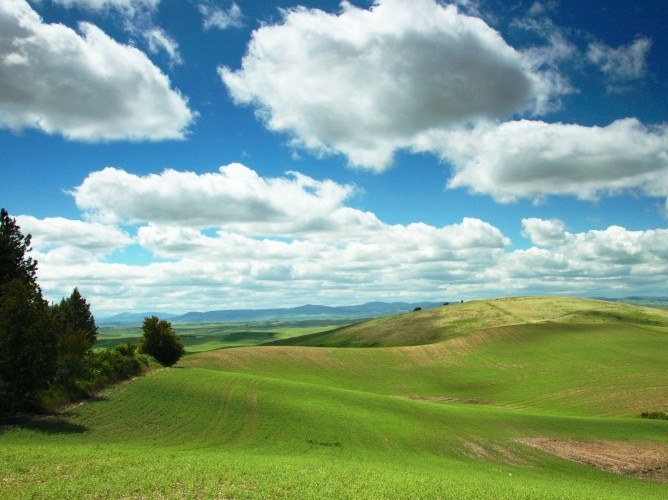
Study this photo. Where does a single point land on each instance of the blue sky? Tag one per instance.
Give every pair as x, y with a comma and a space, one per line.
202, 154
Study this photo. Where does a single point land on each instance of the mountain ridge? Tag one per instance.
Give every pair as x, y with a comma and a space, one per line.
307, 311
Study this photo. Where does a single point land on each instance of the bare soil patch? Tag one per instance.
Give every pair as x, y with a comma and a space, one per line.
641, 459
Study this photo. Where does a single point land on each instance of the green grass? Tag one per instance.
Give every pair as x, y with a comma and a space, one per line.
211, 336
438, 420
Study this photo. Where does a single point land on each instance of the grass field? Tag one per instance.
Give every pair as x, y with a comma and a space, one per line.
447, 417
210, 336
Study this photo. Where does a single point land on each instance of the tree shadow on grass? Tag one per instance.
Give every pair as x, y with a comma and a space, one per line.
53, 425
48, 421
43, 425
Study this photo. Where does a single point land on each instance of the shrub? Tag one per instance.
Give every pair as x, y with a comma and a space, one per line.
161, 341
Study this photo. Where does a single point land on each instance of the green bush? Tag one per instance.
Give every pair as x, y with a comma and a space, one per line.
161, 341
104, 367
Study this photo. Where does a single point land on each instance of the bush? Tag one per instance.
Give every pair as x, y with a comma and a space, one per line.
161, 342
104, 367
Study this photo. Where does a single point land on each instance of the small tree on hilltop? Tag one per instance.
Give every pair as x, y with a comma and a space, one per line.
161, 341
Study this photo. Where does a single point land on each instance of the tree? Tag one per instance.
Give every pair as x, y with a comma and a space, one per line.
77, 332
161, 341
27, 328
27, 345
14, 263
74, 314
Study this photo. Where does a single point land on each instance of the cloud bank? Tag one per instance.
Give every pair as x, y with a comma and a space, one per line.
233, 238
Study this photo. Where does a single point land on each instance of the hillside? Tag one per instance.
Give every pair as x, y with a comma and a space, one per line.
301, 313
448, 322
466, 416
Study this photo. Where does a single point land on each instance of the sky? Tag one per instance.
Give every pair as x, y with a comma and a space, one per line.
212, 154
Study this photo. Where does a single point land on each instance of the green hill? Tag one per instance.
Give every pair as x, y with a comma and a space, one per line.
447, 322
463, 416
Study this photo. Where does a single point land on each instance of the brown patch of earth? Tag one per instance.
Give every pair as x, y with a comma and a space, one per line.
644, 460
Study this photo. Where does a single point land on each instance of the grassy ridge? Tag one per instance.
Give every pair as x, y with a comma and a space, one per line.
422, 421
435, 325
576, 369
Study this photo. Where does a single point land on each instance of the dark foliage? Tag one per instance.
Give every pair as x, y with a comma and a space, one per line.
161, 341
104, 367
15, 264
27, 345
77, 333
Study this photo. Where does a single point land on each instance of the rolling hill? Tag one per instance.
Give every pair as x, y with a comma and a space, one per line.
457, 402
301, 313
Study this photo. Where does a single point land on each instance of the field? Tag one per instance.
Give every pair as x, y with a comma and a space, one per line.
458, 402
209, 336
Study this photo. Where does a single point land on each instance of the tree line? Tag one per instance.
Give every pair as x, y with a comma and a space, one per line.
46, 351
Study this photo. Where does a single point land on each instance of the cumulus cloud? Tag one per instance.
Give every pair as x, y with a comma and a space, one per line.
291, 240
365, 82
216, 17
621, 64
59, 232
543, 232
532, 159
235, 195
84, 86
615, 257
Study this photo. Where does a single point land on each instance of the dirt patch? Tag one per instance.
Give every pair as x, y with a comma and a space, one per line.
645, 460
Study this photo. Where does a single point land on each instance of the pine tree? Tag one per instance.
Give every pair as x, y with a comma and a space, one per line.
77, 333
27, 328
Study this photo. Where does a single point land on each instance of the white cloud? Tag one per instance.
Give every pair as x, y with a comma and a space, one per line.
532, 159
91, 237
543, 232
129, 6
84, 85
159, 40
216, 17
636, 261
235, 196
293, 240
138, 18
624, 63
365, 82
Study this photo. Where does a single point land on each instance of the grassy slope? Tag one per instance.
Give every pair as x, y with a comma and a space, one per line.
321, 422
436, 325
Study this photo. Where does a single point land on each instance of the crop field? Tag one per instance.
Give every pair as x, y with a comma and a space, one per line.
513, 398
210, 336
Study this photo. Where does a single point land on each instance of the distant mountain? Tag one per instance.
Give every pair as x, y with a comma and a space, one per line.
305, 312
132, 318
659, 302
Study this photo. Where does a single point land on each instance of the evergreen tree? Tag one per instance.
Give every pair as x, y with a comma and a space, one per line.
161, 341
14, 263
77, 333
27, 328
74, 314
